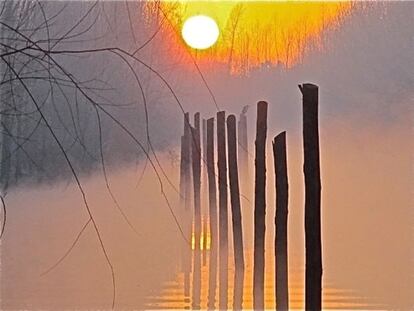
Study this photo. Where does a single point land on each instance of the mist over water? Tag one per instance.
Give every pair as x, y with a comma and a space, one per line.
366, 244
365, 74
43, 223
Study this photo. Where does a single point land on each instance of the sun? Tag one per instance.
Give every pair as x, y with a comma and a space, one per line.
200, 32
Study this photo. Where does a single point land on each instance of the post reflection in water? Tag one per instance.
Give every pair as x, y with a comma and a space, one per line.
201, 282
223, 282
186, 271
195, 303
238, 288
212, 277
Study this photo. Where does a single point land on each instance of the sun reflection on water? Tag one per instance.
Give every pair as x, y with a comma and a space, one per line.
174, 294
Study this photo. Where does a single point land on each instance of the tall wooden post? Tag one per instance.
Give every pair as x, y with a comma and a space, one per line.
187, 160
196, 157
186, 157
204, 161
182, 201
260, 207
281, 243
223, 213
235, 192
243, 146
236, 212
212, 200
311, 169
203, 184
245, 167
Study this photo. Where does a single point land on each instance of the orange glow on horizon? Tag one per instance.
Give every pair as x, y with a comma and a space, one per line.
252, 34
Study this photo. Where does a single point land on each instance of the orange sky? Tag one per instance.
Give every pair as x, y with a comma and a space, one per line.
253, 34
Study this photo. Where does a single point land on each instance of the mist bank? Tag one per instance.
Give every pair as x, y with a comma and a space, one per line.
364, 70
366, 221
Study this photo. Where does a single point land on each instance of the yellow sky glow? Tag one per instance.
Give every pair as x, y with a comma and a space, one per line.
253, 34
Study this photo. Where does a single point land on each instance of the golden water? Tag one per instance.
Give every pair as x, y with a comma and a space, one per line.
174, 296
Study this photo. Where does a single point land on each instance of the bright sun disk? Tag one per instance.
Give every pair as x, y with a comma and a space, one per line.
200, 32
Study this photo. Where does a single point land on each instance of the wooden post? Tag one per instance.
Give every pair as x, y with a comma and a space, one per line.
187, 160
311, 169
187, 142
236, 212
281, 243
204, 162
223, 213
212, 200
203, 183
260, 207
235, 192
196, 157
243, 145
245, 175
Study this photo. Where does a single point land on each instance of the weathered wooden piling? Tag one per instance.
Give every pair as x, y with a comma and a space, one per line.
260, 207
235, 192
243, 145
281, 222
236, 212
311, 169
204, 161
212, 202
196, 161
187, 160
223, 213
203, 184
187, 216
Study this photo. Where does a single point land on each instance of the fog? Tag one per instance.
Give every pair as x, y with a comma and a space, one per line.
365, 74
